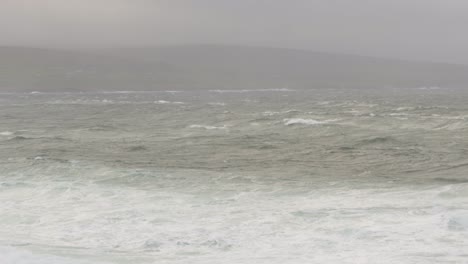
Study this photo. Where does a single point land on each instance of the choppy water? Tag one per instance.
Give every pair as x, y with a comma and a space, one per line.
267, 176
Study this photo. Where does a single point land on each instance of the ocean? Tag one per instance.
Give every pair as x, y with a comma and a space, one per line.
234, 176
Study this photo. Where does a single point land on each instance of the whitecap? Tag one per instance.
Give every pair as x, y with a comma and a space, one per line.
254, 90
6, 133
207, 127
167, 102
398, 114
429, 88
302, 121
217, 104
137, 92
270, 113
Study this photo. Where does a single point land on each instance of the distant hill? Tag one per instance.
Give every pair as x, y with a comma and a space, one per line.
26, 69
199, 67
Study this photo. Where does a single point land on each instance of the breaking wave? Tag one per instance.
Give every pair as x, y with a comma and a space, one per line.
302, 121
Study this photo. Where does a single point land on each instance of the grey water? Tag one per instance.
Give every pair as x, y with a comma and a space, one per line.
235, 176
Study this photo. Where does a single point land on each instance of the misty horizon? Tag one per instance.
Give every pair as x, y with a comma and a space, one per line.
233, 131
211, 67
92, 48
410, 30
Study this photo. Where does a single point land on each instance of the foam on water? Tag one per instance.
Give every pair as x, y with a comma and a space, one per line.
87, 101
166, 219
208, 127
302, 121
12, 255
429, 88
138, 92
254, 90
6, 133
217, 104
167, 102
271, 113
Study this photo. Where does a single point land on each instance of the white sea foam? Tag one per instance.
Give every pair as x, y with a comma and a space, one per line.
167, 102
271, 113
254, 90
453, 126
138, 92
217, 104
86, 102
6, 133
189, 218
208, 127
11, 255
429, 88
405, 108
398, 114
302, 121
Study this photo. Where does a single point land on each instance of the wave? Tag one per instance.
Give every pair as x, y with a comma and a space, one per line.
270, 113
217, 104
167, 102
6, 133
208, 127
107, 101
111, 213
12, 255
254, 90
302, 121
398, 114
85, 102
88, 92
137, 92
378, 140
429, 88
453, 126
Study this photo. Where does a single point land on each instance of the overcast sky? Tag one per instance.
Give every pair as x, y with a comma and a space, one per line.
411, 29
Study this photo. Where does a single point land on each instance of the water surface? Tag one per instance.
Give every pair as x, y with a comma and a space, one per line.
248, 176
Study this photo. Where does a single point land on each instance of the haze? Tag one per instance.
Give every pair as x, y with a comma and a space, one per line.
429, 30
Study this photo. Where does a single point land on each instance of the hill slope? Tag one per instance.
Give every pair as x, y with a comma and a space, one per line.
25, 69
212, 67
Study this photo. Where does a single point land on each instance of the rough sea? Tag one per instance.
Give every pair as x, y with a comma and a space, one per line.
245, 176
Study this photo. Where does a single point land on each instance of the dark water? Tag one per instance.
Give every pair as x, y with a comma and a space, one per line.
265, 176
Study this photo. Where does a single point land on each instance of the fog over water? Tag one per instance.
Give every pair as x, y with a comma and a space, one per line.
407, 29
233, 131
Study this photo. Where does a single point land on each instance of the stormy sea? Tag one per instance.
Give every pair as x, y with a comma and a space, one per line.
234, 176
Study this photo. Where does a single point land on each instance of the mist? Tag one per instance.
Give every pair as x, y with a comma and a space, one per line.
428, 30
233, 131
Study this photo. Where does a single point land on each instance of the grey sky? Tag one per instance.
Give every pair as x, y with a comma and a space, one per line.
411, 29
